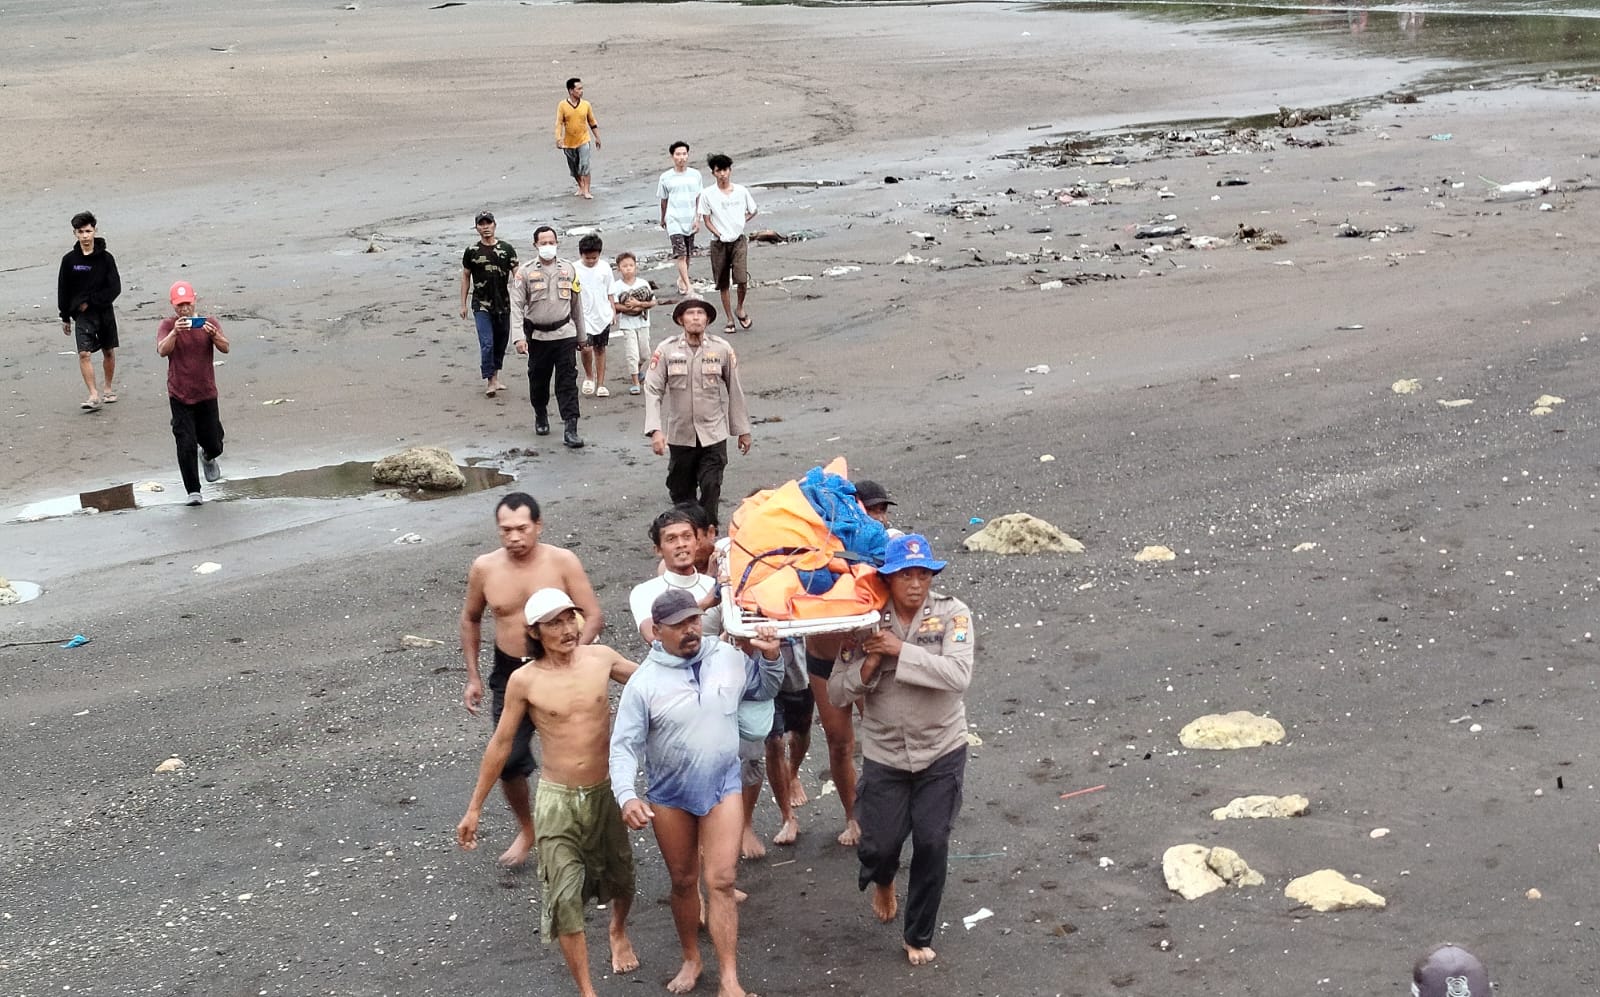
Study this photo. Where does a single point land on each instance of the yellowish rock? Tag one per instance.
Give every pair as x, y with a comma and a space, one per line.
1328, 890
1227, 731
1303, 548
1549, 401
1188, 873
1262, 807
1408, 386
1156, 553
1455, 402
1225, 862
1020, 533
172, 764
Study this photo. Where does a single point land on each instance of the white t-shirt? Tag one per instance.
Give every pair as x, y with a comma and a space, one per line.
596, 282
728, 210
639, 290
681, 191
698, 585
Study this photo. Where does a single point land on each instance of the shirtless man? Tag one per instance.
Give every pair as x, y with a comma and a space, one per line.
502, 581
583, 844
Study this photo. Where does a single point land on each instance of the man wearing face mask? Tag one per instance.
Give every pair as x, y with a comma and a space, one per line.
911, 677
547, 319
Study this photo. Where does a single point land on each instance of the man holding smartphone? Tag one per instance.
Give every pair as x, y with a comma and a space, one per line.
189, 342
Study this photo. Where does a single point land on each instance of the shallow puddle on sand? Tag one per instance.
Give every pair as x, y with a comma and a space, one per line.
351, 479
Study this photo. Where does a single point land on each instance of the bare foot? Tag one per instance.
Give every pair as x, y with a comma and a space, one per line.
884, 903
517, 854
623, 958
919, 956
851, 835
586, 196
750, 846
787, 833
686, 978
797, 794
731, 988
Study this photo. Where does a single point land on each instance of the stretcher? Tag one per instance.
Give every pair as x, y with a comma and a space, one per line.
740, 622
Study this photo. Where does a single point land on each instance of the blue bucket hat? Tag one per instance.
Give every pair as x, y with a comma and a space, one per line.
909, 551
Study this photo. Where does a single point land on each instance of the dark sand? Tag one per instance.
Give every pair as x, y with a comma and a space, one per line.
1207, 400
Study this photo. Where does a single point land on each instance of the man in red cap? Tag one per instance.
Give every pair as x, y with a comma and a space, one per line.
189, 342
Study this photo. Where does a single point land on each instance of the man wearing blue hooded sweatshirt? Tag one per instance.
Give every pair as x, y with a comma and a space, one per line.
680, 711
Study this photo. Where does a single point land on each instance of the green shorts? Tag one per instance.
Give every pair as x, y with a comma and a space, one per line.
583, 852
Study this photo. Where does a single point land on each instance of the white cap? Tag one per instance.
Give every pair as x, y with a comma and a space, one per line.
545, 605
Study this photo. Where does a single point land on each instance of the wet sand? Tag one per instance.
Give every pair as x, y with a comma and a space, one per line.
1208, 400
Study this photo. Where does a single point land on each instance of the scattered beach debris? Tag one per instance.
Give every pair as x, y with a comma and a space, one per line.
767, 235
1192, 870
1328, 890
207, 568
840, 271
76, 640
8, 594
1229, 731
372, 245
1531, 188
1262, 808
1304, 547
1047, 458
1406, 386
1233, 182
416, 643
1020, 533
1455, 402
1083, 792
277, 401
430, 468
1159, 230
1534, 894
1155, 552
1258, 238
971, 919
172, 764
1349, 231
1378, 832
408, 538
1038, 368
1051, 285
1294, 117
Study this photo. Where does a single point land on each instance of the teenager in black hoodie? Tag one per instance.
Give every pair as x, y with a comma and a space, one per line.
88, 284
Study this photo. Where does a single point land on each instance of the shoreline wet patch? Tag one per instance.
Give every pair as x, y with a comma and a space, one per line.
352, 479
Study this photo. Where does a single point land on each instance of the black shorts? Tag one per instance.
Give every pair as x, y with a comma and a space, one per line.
93, 332
600, 340
520, 762
792, 712
819, 668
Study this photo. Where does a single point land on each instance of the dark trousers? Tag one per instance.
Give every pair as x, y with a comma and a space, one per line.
891, 805
697, 468
560, 359
197, 425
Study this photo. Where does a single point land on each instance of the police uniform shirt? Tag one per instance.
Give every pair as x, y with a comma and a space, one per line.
544, 294
693, 395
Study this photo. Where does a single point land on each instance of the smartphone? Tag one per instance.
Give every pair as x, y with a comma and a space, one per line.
197, 322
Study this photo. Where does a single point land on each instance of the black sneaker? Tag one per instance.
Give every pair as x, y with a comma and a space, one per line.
570, 438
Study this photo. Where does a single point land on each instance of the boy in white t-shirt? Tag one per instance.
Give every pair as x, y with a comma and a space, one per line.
633, 297
595, 278
725, 209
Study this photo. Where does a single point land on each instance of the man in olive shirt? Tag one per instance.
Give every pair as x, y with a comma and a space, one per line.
911, 677
547, 316
486, 269
693, 402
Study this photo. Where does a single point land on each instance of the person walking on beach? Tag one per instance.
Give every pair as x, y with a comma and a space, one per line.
189, 342
599, 313
576, 130
582, 843
503, 581
547, 319
679, 191
911, 677
725, 208
486, 269
85, 288
678, 713
693, 402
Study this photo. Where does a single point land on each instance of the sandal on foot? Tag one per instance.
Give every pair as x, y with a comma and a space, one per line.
90, 405
729, 329
744, 321
602, 392
633, 389
109, 397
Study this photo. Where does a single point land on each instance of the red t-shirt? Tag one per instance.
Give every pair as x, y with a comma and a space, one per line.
190, 376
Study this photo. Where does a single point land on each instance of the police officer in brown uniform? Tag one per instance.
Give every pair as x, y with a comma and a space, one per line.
911, 677
547, 318
692, 403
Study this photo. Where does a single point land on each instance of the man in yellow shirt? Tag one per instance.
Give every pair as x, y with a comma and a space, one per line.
575, 129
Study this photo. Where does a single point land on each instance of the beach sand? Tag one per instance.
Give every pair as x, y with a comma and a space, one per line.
1229, 403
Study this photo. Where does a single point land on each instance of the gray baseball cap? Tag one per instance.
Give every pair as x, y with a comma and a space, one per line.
1449, 971
673, 606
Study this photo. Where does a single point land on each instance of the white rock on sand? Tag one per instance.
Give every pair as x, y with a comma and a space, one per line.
1020, 533
1328, 890
1226, 731
1155, 552
1262, 807
1192, 870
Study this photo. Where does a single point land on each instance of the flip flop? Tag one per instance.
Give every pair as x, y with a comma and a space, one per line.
89, 406
490, 391
729, 329
744, 321
109, 397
